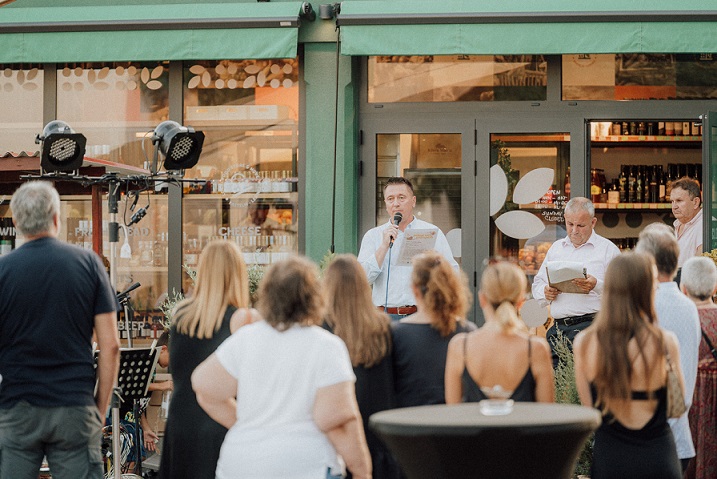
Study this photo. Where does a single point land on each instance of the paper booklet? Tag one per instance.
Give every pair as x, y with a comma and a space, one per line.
562, 273
416, 241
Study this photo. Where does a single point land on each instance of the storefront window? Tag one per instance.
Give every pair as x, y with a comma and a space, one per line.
449, 78
248, 110
639, 76
115, 105
20, 107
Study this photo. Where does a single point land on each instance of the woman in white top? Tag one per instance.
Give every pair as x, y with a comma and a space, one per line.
285, 388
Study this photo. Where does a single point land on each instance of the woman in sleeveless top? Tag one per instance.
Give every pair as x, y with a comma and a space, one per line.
501, 353
621, 368
420, 341
192, 439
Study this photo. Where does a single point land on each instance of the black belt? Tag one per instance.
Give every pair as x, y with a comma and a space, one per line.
573, 320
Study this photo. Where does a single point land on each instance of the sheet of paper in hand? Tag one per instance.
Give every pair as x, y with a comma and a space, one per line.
562, 273
416, 242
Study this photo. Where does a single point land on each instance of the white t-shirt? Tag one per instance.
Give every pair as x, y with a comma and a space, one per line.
278, 374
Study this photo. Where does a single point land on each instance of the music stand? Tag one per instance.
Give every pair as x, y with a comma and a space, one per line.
136, 369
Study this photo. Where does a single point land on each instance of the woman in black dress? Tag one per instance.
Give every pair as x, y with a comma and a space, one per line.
501, 353
201, 323
420, 341
621, 368
352, 316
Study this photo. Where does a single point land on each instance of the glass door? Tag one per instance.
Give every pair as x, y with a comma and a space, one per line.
435, 156
530, 184
709, 179
525, 178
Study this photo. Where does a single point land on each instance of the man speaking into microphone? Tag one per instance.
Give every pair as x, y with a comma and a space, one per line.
392, 285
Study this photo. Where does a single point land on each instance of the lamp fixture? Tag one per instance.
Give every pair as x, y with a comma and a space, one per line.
180, 145
62, 149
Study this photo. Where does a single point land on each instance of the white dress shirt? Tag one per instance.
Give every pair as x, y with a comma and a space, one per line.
595, 254
399, 288
689, 237
677, 313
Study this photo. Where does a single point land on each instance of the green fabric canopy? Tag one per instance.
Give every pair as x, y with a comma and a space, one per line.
494, 27
204, 31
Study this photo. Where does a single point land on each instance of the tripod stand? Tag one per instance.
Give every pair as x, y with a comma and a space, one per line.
136, 369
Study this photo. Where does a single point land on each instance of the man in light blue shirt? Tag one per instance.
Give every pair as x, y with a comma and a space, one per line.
386, 241
676, 313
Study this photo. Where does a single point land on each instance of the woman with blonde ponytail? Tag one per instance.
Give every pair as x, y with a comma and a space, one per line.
420, 341
502, 352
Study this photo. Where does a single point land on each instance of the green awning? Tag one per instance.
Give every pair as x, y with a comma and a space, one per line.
204, 31
504, 27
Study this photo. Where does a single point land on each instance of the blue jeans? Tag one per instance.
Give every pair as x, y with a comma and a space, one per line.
332, 476
70, 437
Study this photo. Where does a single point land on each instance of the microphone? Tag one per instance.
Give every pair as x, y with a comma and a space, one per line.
138, 215
396, 220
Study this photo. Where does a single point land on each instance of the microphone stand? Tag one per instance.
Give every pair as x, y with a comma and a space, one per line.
397, 220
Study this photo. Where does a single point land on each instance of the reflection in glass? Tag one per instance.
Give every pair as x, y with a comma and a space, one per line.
527, 195
639, 76
114, 105
21, 101
433, 164
448, 78
248, 110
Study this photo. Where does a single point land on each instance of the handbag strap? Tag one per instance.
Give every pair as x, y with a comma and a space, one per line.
709, 344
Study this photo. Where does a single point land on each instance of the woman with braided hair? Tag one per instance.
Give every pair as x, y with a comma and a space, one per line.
501, 353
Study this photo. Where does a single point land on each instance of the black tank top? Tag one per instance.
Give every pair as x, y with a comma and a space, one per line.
524, 392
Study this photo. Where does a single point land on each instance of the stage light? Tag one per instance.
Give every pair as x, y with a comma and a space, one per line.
62, 149
180, 145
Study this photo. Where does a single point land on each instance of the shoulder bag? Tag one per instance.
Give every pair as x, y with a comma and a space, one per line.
709, 344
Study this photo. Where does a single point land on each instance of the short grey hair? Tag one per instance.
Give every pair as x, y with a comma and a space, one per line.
34, 206
699, 277
658, 240
580, 203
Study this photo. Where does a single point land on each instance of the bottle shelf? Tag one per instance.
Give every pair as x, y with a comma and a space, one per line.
646, 138
633, 206
603, 206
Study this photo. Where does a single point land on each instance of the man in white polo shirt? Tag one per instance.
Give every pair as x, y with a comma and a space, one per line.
574, 312
687, 207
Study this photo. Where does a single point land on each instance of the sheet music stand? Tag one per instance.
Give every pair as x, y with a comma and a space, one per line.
137, 367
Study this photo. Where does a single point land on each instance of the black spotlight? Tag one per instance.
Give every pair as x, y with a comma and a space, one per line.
62, 149
180, 145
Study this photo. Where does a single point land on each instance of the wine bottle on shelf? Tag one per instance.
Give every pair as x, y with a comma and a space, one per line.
653, 186
661, 187
622, 184
613, 196
595, 189
668, 181
631, 183
640, 185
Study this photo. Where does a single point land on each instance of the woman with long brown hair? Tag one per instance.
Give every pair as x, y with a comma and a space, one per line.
201, 323
502, 352
366, 331
621, 364
420, 341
